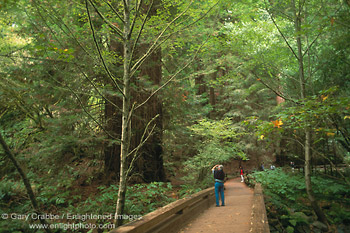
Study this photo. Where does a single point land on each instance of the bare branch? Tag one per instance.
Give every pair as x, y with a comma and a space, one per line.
142, 142
301, 5
154, 45
70, 33
194, 22
45, 22
318, 34
138, 7
273, 90
115, 11
172, 77
125, 5
87, 112
308, 48
113, 27
99, 51
98, 91
281, 33
140, 31
165, 37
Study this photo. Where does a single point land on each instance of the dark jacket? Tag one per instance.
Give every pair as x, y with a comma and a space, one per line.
219, 174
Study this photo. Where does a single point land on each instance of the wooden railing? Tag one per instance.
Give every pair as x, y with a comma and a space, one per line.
259, 222
171, 217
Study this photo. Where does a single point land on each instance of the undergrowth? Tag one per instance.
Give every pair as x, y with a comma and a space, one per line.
287, 203
140, 200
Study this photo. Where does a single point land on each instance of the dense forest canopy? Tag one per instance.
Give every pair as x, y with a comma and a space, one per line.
104, 99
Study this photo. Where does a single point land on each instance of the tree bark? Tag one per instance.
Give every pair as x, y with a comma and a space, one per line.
126, 115
149, 165
150, 162
113, 116
113, 125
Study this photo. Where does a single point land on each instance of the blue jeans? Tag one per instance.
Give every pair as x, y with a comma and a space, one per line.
219, 188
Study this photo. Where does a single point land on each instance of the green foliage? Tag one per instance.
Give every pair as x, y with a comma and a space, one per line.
13, 200
189, 188
145, 198
53, 91
218, 142
287, 203
316, 111
141, 199
276, 181
222, 131
325, 114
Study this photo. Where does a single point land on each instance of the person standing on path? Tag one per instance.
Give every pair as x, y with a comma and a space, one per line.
292, 165
262, 167
219, 176
241, 173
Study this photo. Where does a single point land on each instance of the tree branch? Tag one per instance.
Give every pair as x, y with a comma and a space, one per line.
154, 46
138, 6
308, 48
85, 110
115, 11
99, 51
98, 91
172, 77
281, 33
140, 31
142, 142
194, 22
57, 17
113, 27
273, 90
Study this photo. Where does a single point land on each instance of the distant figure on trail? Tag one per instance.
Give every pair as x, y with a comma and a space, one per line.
292, 165
262, 167
241, 172
219, 176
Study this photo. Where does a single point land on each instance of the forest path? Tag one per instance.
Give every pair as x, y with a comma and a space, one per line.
234, 217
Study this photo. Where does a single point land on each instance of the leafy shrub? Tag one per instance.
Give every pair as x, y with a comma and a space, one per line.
218, 142
287, 204
140, 199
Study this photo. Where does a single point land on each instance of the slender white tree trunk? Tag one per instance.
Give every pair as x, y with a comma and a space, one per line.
126, 118
307, 147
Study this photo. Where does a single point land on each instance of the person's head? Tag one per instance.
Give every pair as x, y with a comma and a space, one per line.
220, 167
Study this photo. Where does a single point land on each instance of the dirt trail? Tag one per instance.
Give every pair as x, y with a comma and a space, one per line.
234, 217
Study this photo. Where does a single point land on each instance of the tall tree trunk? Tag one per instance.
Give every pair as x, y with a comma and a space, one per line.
112, 114
113, 125
307, 150
200, 82
150, 163
212, 99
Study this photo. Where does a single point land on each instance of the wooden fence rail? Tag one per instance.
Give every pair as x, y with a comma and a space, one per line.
171, 217
259, 222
